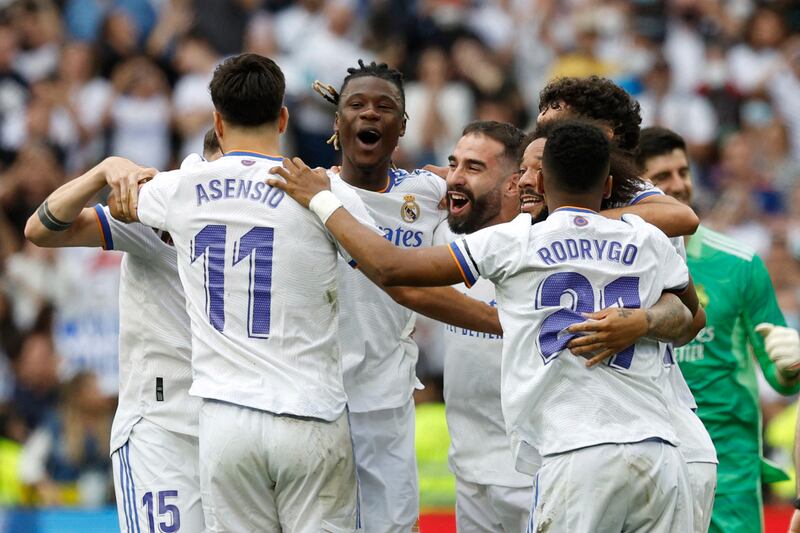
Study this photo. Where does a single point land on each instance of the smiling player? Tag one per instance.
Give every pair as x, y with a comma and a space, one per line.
544, 396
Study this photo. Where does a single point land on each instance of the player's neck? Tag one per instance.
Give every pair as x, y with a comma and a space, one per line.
370, 179
556, 201
262, 142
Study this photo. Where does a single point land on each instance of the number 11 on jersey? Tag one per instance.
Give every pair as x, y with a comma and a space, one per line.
256, 247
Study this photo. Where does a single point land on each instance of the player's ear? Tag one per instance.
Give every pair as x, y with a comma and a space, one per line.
609, 184
539, 185
512, 185
283, 119
219, 130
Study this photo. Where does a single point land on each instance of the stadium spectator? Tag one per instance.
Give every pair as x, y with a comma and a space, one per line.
138, 113
66, 459
36, 385
195, 59
752, 61
685, 112
440, 108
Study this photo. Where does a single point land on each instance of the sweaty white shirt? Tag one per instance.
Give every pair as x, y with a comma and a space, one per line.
377, 350
696, 445
260, 276
574, 262
154, 340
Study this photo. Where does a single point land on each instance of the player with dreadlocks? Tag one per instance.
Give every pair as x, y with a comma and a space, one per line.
377, 350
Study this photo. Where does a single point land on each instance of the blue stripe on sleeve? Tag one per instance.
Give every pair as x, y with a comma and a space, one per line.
105, 227
645, 195
353, 263
469, 277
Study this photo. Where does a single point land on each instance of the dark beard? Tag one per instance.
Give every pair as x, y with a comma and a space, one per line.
483, 210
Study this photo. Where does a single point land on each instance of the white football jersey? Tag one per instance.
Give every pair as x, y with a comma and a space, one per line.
696, 444
546, 275
479, 448
155, 344
378, 353
259, 272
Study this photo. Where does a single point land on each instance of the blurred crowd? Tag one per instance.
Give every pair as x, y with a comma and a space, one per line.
82, 79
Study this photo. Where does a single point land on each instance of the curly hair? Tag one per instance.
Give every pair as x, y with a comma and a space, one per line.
600, 99
626, 184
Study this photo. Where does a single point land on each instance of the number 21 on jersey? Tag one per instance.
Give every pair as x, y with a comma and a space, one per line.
256, 247
623, 292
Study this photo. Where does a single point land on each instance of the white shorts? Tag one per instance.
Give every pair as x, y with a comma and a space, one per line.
492, 508
386, 463
703, 480
156, 481
641, 487
266, 472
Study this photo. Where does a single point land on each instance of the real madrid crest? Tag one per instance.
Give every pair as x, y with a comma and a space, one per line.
409, 212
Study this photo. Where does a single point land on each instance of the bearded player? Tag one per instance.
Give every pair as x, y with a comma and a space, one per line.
588, 441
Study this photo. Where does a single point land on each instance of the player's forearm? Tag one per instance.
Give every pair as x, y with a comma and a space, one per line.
64, 205
450, 306
664, 212
386, 264
668, 320
698, 323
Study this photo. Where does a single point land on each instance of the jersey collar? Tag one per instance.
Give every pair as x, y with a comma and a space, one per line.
390, 182
246, 153
575, 209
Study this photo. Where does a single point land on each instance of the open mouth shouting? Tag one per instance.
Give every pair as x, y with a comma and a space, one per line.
530, 202
458, 203
368, 138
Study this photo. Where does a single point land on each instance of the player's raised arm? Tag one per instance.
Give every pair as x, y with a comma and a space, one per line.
382, 262
63, 219
664, 212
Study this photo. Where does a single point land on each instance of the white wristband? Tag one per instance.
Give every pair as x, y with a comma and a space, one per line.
323, 204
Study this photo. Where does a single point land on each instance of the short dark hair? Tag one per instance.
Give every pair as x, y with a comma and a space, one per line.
600, 99
657, 141
210, 142
576, 157
247, 90
626, 185
511, 137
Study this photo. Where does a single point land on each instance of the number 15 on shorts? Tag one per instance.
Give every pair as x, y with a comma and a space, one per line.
168, 514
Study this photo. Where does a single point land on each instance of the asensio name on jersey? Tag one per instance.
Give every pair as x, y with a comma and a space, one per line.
261, 285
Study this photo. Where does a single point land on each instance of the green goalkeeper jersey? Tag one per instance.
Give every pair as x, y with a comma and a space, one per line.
735, 289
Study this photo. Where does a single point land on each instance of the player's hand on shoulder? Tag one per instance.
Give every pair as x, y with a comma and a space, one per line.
124, 177
782, 345
299, 181
607, 332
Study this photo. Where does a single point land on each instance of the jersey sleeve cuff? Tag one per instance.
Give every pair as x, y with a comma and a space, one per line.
105, 227
467, 272
644, 195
